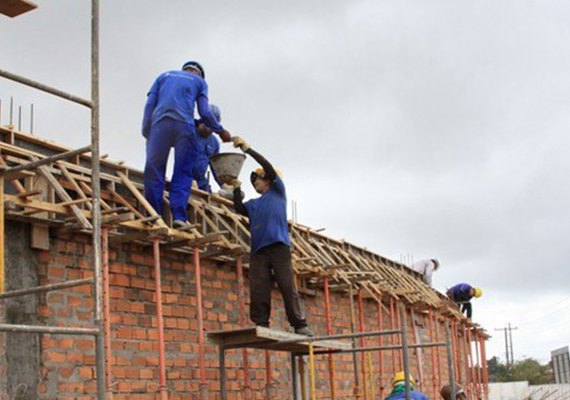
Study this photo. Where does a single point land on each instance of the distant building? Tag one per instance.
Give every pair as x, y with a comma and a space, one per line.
561, 365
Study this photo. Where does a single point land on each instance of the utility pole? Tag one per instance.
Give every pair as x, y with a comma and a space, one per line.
508, 343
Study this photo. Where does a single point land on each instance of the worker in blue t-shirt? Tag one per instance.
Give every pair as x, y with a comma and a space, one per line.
462, 293
399, 388
169, 122
208, 146
270, 244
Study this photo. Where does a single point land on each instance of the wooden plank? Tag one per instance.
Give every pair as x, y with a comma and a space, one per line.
138, 195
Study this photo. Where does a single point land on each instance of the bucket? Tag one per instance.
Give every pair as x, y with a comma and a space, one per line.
227, 166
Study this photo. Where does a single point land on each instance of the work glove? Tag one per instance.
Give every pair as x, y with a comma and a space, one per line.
241, 143
225, 136
234, 183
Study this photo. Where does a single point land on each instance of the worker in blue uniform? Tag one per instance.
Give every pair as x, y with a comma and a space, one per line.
399, 388
169, 122
270, 244
462, 293
208, 146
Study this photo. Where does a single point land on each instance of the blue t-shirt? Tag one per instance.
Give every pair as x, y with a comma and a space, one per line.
414, 395
461, 292
176, 92
268, 217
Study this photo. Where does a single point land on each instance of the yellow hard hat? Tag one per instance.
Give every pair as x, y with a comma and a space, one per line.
260, 172
478, 292
401, 377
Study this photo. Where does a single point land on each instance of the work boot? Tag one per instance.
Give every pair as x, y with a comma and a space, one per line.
304, 330
181, 225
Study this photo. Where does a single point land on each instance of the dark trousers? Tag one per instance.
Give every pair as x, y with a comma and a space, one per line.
275, 259
467, 309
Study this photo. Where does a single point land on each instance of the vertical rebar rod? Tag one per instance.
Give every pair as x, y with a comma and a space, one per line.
329, 332
200, 312
11, 115
357, 392
106, 311
451, 370
96, 208
20, 118
405, 357
380, 344
159, 321
362, 343
243, 321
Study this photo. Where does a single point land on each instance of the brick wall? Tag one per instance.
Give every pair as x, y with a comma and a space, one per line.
67, 363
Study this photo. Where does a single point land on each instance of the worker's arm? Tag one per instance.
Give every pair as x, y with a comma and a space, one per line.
151, 101
238, 202
270, 173
209, 119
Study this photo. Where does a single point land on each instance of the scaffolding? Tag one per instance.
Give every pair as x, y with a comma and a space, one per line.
78, 190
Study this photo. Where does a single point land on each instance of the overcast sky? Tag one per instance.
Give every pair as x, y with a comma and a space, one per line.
414, 128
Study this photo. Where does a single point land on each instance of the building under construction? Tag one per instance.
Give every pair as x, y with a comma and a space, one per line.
100, 298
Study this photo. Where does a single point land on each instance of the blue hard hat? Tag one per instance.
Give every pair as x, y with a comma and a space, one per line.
217, 112
194, 64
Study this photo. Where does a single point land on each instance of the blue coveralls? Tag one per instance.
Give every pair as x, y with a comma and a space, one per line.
208, 146
461, 294
401, 395
169, 122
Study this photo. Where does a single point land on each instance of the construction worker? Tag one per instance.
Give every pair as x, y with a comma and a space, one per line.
208, 146
399, 388
462, 293
459, 392
270, 243
169, 122
426, 268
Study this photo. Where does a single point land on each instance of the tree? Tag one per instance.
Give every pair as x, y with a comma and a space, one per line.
527, 369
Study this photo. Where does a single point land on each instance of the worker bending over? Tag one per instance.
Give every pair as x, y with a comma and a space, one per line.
426, 268
270, 244
208, 145
169, 122
399, 388
462, 293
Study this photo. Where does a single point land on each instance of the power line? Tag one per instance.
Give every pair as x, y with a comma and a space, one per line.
508, 343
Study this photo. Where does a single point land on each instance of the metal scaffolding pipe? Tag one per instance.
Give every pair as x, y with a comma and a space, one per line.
329, 332
107, 312
432, 355
405, 357
200, 311
362, 343
96, 193
436, 321
451, 369
46, 288
159, 321
56, 330
380, 344
45, 88
243, 321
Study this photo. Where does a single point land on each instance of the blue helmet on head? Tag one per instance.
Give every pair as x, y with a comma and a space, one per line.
194, 64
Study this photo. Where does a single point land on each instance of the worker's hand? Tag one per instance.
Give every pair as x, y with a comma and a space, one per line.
225, 136
234, 183
239, 142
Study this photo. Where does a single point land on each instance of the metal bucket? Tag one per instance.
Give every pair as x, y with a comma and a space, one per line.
227, 166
